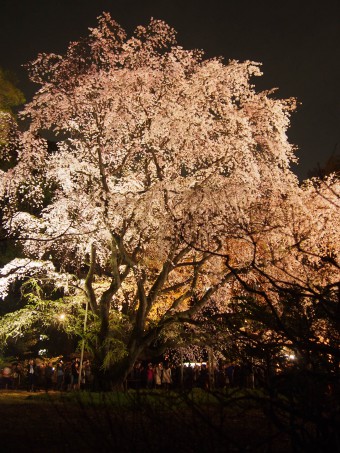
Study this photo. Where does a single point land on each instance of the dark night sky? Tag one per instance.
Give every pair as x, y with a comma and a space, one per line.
297, 41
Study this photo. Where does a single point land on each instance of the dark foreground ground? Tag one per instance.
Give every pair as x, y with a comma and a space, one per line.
131, 422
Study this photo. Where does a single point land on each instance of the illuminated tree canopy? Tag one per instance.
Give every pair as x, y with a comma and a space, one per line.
171, 172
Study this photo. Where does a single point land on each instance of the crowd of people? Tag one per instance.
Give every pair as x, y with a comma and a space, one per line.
166, 376
150, 376
34, 375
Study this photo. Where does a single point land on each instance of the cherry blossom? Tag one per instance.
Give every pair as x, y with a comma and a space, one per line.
167, 163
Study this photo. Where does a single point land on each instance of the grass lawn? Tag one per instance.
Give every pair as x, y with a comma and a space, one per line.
146, 421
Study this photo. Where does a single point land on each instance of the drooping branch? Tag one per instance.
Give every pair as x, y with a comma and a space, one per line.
89, 281
102, 171
142, 300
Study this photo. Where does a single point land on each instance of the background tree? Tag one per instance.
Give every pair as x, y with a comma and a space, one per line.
10, 98
331, 166
163, 158
283, 320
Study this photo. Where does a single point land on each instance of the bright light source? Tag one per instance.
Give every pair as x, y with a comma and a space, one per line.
62, 316
193, 364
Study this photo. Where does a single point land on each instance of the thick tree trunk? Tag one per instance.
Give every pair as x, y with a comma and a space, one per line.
116, 376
